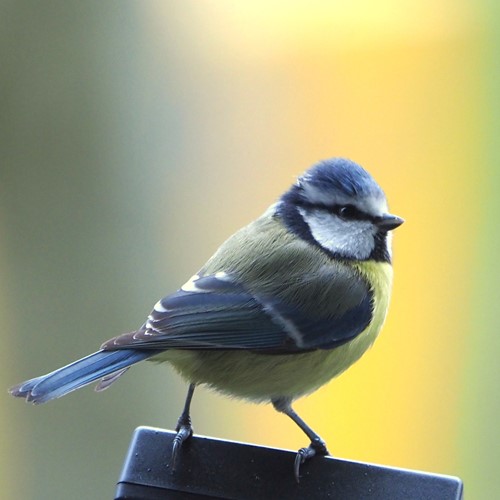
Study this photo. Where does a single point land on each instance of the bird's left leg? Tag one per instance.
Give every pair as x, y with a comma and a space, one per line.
317, 446
184, 428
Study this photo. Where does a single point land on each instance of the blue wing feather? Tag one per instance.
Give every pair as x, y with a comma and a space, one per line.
221, 314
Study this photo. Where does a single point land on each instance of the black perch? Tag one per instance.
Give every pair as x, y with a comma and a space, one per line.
212, 468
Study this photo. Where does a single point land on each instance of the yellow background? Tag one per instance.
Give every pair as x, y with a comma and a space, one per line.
137, 136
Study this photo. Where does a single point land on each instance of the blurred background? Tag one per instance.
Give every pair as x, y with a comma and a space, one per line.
136, 136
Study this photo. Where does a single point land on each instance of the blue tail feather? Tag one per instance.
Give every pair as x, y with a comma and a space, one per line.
77, 374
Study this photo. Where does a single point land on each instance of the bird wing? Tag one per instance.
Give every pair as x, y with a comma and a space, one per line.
216, 312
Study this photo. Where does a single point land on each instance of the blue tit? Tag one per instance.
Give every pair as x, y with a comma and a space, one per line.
283, 306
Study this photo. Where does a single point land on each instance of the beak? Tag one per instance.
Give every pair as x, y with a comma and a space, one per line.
388, 222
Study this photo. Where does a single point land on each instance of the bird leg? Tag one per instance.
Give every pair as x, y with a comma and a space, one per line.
317, 446
184, 428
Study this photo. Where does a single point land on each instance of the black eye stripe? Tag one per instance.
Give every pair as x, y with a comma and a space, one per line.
349, 212
346, 212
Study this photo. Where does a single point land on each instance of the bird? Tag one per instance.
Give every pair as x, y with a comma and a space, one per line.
285, 304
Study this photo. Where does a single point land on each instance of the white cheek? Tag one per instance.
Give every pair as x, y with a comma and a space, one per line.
352, 239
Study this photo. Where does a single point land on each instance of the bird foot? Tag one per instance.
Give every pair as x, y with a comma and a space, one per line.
184, 432
317, 447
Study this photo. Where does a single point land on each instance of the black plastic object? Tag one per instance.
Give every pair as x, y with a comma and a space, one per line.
211, 468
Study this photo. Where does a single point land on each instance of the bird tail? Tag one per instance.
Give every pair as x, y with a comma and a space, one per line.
102, 364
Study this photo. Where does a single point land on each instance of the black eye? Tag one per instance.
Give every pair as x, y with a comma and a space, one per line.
348, 212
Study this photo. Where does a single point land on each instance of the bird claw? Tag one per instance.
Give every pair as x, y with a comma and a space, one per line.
184, 432
317, 447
